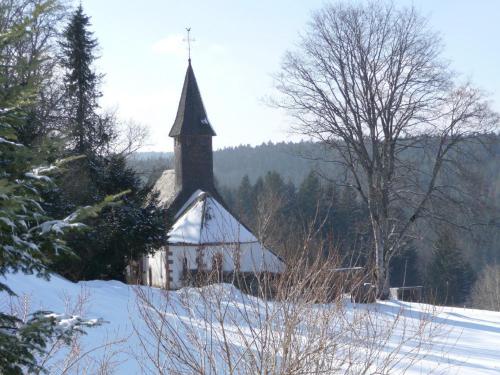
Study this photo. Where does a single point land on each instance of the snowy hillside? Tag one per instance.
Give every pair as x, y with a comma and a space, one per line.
393, 335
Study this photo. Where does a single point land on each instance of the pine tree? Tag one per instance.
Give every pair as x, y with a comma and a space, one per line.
28, 236
309, 197
449, 276
403, 268
39, 47
87, 132
245, 205
273, 183
290, 207
120, 233
352, 226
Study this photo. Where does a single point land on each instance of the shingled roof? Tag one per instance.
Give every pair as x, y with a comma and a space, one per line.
191, 117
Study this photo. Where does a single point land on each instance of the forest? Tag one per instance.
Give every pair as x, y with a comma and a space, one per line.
293, 184
409, 191
69, 203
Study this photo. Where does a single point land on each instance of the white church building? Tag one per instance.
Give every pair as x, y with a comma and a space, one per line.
204, 236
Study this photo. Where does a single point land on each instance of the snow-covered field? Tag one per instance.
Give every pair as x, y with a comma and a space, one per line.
464, 341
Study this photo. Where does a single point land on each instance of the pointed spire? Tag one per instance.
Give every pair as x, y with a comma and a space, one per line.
191, 117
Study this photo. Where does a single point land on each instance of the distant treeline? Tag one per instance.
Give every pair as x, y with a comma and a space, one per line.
279, 189
293, 161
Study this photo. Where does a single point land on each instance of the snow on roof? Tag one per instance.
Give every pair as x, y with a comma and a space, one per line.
203, 220
165, 187
191, 199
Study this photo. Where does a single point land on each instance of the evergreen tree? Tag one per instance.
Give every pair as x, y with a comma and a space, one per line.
309, 197
449, 276
244, 200
352, 226
257, 189
273, 183
228, 196
272, 202
87, 131
122, 232
403, 268
28, 236
290, 207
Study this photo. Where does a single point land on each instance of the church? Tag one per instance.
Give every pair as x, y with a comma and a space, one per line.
205, 236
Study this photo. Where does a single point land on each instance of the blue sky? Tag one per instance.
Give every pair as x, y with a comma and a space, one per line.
239, 44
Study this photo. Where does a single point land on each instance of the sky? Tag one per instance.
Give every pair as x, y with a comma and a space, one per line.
238, 46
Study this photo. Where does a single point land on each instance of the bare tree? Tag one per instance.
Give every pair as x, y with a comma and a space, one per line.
368, 81
486, 290
31, 59
130, 137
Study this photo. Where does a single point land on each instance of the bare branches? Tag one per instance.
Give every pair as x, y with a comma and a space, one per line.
131, 136
308, 328
72, 357
369, 82
486, 291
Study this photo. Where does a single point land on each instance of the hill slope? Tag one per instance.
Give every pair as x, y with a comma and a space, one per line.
293, 161
458, 340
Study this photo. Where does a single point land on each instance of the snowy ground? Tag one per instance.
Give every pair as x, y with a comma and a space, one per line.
468, 341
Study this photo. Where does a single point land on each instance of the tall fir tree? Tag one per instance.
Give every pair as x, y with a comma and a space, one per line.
449, 275
121, 233
87, 131
245, 205
404, 268
309, 197
29, 237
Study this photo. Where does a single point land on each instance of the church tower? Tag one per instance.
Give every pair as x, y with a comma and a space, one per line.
192, 135
201, 220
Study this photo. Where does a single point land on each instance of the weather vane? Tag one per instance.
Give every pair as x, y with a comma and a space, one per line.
189, 40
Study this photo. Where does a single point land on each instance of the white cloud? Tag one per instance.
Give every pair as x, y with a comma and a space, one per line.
171, 44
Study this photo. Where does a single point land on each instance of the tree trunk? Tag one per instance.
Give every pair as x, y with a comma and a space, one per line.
381, 271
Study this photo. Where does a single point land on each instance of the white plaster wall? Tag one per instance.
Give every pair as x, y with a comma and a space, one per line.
256, 258
157, 264
253, 257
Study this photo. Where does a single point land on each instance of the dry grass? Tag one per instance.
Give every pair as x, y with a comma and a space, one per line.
304, 326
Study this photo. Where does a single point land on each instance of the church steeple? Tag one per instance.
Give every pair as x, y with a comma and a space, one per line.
192, 135
191, 117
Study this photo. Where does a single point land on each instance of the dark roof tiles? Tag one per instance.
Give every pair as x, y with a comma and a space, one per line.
191, 117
